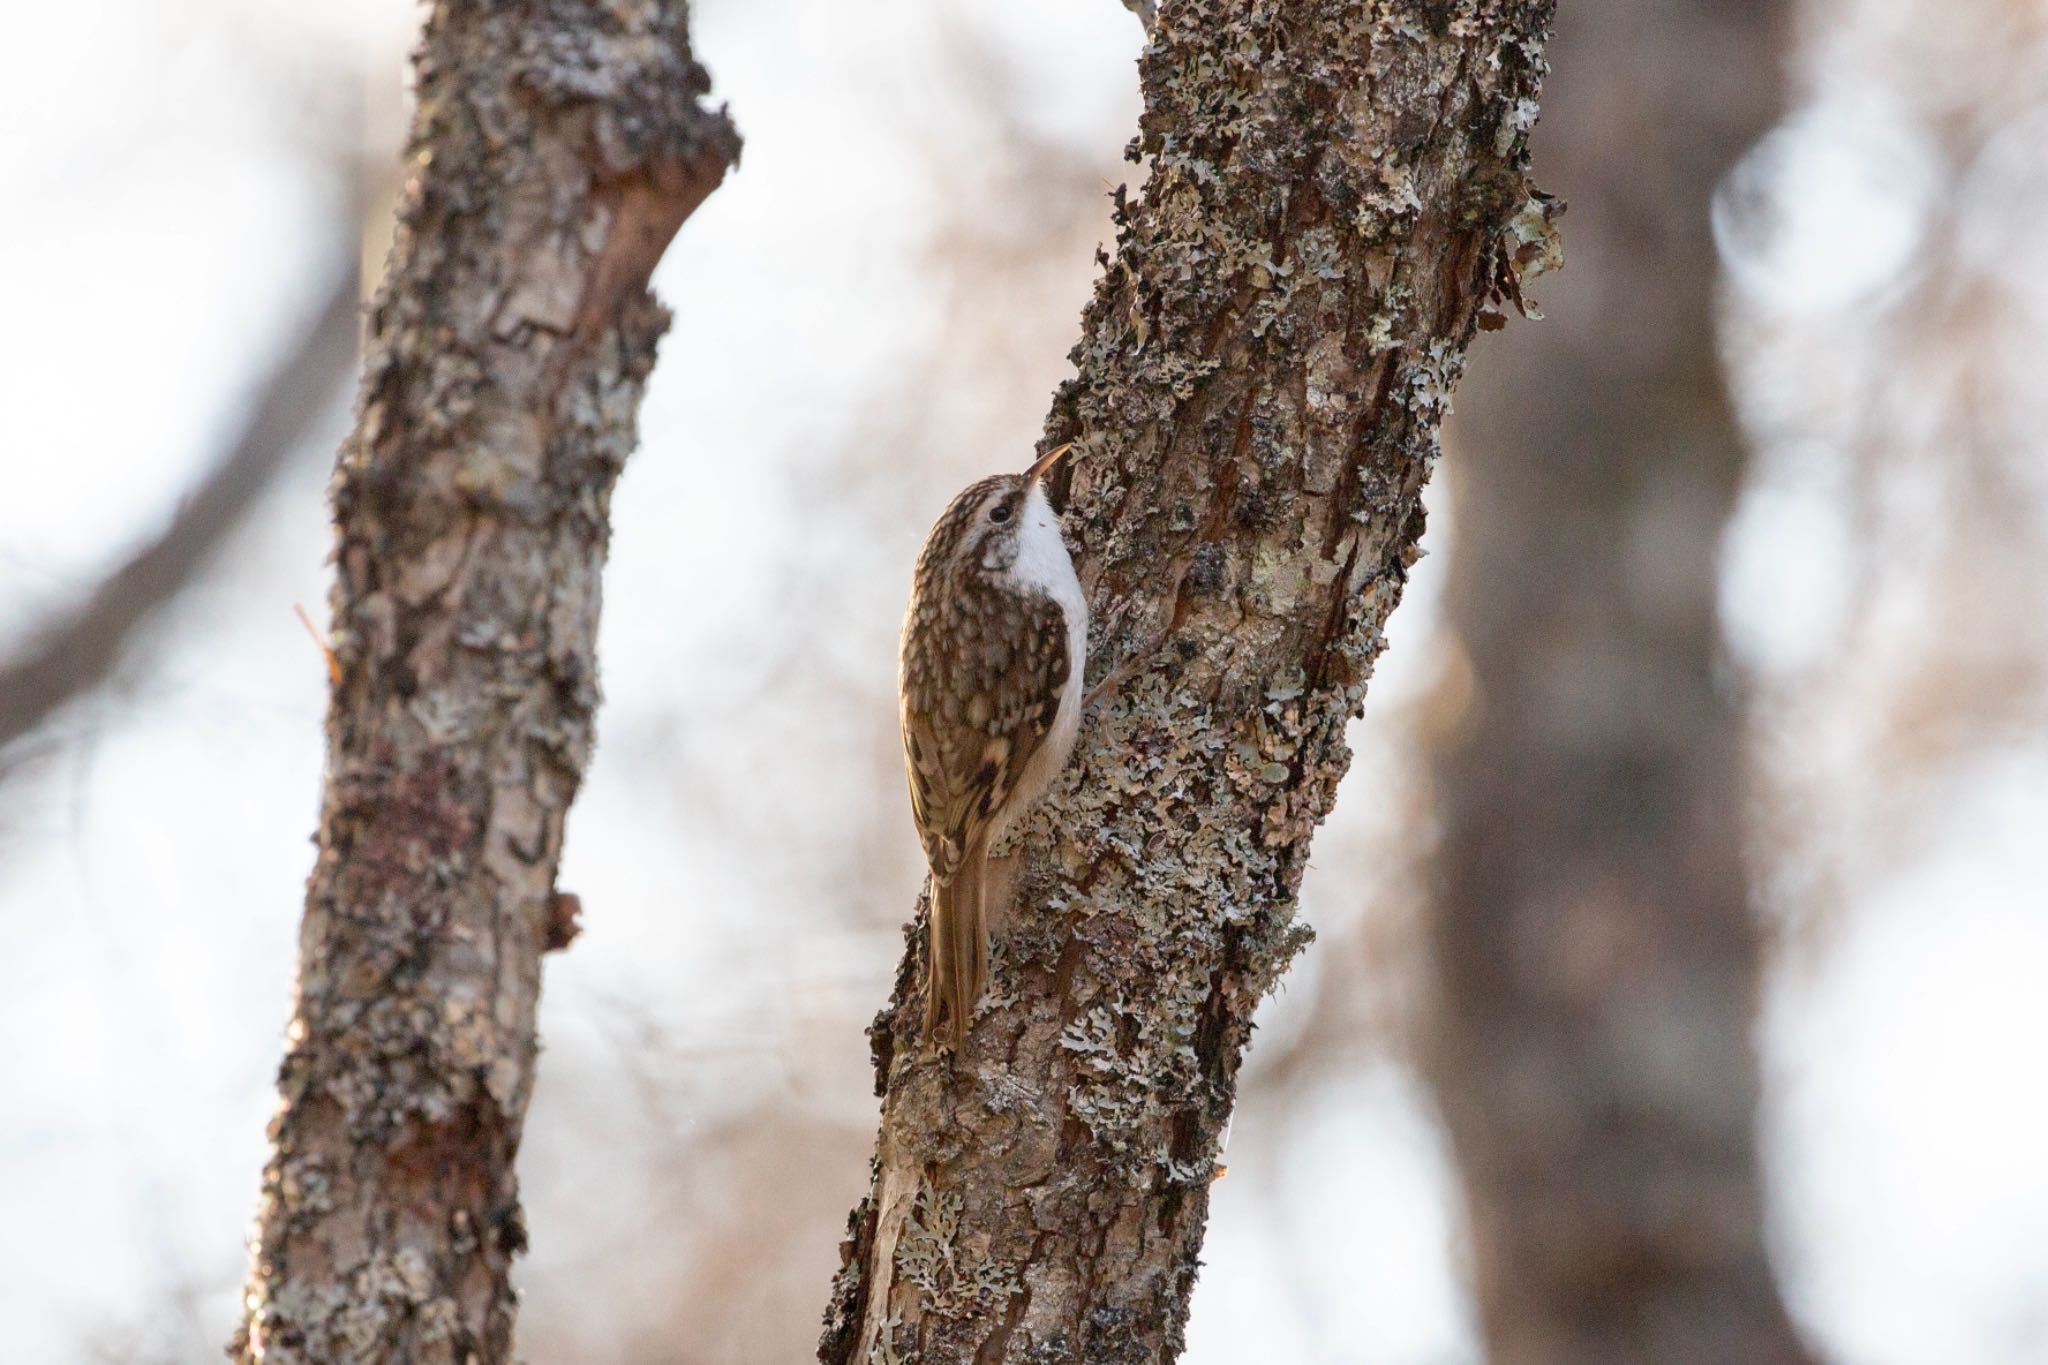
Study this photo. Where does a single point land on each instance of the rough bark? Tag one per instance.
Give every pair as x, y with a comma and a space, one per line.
555, 150
1260, 378
1594, 952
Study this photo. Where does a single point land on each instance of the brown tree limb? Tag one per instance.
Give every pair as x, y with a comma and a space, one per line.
71, 656
555, 150
1261, 375
1595, 956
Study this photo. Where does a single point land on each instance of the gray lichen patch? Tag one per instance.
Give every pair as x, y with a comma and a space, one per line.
952, 1274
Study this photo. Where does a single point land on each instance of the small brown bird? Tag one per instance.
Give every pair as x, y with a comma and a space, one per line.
995, 646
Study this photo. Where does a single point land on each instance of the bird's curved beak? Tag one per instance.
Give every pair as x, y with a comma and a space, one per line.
1044, 462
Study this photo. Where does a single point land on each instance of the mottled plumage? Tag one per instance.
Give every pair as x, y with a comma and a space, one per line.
994, 648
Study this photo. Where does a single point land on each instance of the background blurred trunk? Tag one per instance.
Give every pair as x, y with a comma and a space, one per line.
1261, 374
1593, 941
554, 152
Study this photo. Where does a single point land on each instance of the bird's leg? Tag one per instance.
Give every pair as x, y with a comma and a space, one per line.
1121, 674
1117, 676
1111, 680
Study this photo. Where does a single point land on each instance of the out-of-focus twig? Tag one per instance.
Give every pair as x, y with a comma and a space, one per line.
74, 653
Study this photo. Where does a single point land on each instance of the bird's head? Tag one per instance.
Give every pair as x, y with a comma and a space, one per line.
991, 520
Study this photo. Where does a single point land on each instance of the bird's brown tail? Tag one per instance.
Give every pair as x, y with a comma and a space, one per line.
958, 939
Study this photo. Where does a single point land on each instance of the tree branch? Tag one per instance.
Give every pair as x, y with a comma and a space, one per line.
71, 656
555, 150
1260, 378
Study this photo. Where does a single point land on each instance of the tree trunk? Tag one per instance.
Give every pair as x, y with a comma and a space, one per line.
555, 151
1595, 955
1261, 375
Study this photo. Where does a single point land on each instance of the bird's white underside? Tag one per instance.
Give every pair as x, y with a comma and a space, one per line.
1043, 565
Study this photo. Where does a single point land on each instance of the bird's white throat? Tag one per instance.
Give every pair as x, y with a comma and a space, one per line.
1044, 565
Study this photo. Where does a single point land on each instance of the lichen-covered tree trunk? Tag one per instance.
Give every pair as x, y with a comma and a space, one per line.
555, 151
1594, 954
1328, 208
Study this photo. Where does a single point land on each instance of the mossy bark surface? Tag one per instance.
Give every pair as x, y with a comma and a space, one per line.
1335, 194
555, 150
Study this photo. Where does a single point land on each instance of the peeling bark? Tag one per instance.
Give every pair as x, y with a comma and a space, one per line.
555, 150
1594, 953
1260, 379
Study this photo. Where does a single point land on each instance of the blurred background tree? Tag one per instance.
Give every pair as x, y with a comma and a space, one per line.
1594, 952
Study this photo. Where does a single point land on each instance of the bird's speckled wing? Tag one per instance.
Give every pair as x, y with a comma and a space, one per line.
982, 676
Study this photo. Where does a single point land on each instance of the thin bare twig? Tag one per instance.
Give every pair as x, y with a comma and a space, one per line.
73, 654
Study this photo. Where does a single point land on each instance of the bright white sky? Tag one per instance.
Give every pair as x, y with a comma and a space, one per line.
163, 220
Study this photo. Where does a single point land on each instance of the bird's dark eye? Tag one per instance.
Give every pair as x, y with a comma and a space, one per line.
1000, 512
